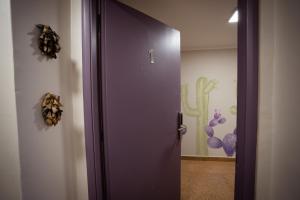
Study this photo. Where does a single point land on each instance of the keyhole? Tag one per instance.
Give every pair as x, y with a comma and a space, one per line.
151, 54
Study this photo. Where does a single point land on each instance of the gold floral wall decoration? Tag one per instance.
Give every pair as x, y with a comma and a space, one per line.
48, 41
51, 109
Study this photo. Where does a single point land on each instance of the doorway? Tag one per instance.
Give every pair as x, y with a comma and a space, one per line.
243, 106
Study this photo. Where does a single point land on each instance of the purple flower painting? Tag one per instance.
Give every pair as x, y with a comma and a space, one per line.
229, 141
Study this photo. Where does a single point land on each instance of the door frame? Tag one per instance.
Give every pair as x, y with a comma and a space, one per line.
91, 52
247, 98
247, 101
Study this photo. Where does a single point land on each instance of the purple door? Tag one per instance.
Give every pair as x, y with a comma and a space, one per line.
141, 101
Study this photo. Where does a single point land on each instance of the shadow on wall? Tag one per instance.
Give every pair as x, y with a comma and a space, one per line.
35, 75
70, 77
38, 119
34, 44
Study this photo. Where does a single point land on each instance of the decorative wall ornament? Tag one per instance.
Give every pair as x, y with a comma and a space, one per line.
48, 41
229, 141
51, 109
200, 111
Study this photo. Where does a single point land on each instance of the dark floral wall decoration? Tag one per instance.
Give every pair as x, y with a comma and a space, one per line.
48, 41
51, 109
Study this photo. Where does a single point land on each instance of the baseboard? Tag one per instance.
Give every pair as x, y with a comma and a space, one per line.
224, 159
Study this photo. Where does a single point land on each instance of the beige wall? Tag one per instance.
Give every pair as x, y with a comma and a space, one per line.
10, 185
221, 66
278, 166
52, 159
265, 118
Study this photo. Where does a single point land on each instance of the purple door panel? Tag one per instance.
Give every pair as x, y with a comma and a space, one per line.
141, 100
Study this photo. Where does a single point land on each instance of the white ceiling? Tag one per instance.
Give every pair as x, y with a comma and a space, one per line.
203, 23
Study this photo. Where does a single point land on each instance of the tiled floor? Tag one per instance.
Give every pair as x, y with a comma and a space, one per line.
207, 180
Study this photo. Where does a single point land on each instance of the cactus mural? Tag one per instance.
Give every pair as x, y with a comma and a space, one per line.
229, 141
233, 108
200, 111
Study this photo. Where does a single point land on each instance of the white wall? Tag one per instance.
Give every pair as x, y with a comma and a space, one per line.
53, 162
278, 165
77, 101
219, 65
10, 184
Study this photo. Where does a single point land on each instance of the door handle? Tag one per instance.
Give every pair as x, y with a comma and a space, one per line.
181, 128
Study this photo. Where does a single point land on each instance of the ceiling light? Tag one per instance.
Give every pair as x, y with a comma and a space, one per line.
235, 17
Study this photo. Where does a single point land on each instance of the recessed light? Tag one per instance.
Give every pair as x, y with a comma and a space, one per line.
235, 17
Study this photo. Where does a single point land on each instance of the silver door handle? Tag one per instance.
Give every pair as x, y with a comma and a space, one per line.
182, 129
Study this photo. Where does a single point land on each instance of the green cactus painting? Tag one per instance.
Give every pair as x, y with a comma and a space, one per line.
200, 111
233, 108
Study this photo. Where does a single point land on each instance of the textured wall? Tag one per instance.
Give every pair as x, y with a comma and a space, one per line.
278, 166
52, 159
219, 67
10, 184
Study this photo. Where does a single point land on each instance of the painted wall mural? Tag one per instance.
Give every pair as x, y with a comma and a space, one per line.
208, 102
200, 111
229, 141
205, 136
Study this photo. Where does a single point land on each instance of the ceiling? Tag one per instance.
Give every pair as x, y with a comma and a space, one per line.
203, 23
